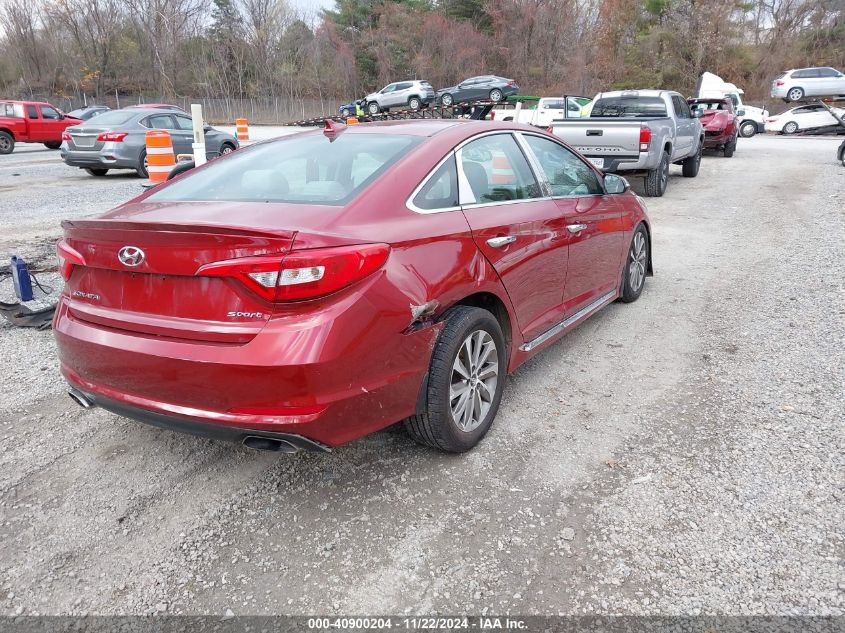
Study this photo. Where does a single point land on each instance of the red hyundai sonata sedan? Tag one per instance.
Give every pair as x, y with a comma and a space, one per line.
306, 291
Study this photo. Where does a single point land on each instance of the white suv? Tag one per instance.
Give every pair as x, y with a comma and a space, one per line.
408, 94
794, 85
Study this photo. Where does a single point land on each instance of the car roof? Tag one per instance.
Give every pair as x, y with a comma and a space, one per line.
27, 102
638, 93
432, 127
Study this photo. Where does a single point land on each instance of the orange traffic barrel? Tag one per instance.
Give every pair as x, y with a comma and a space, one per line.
160, 158
242, 126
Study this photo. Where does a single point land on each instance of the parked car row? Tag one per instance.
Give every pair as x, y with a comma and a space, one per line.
416, 94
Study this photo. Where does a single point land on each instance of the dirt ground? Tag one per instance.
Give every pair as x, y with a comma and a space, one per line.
679, 455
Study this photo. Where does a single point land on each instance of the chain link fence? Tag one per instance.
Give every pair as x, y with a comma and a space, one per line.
265, 110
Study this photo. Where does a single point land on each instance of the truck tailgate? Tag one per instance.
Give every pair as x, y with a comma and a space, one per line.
601, 137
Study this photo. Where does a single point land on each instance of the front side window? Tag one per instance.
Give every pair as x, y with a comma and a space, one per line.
440, 191
497, 171
31, 112
184, 123
302, 169
50, 113
567, 174
388, 88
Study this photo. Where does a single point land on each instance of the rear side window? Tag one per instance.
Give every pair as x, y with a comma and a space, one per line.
31, 112
497, 171
440, 191
644, 107
160, 122
302, 169
681, 107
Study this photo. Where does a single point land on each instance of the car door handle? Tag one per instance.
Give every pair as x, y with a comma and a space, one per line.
498, 242
575, 228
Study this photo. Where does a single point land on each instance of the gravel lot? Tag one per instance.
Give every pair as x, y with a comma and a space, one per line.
679, 455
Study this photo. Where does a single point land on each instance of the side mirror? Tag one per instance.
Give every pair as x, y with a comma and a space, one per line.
615, 184
207, 128
741, 112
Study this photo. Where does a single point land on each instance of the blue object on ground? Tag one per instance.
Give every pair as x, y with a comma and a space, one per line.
21, 278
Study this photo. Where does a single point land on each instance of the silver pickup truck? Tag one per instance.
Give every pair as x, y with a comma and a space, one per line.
639, 132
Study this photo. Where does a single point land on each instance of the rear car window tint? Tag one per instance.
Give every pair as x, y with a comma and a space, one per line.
302, 169
440, 191
629, 107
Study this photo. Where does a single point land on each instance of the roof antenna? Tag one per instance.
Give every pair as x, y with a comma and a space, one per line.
332, 129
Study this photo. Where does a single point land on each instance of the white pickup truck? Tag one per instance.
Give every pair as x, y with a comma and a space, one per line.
548, 109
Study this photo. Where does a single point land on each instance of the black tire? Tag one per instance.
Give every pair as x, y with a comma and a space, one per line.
636, 267
657, 179
446, 100
795, 94
691, 165
345, 113
226, 148
790, 128
373, 107
7, 143
730, 147
496, 95
747, 129
141, 169
97, 171
53, 145
437, 426
414, 103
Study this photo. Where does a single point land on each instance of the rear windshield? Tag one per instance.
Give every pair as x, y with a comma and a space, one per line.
645, 107
307, 169
115, 117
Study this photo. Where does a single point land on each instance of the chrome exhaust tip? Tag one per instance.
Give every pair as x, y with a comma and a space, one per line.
80, 398
271, 444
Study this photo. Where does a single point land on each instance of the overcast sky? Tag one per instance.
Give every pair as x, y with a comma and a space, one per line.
311, 6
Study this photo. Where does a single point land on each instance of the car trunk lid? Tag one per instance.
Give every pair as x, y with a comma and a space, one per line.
142, 277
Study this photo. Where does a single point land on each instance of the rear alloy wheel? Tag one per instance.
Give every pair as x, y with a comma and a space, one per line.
53, 145
790, 128
657, 179
446, 100
496, 95
691, 165
795, 94
414, 103
465, 382
141, 169
226, 148
636, 266
372, 107
7, 143
747, 129
96, 171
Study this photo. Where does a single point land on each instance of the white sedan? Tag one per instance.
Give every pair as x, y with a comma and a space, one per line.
805, 117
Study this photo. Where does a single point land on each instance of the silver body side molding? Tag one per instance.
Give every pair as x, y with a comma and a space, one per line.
560, 327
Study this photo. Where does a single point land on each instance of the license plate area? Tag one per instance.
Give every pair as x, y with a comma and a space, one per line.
84, 141
598, 162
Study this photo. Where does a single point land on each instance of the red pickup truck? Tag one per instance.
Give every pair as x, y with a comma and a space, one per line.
31, 122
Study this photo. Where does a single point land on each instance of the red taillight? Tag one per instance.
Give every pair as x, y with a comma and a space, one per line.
114, 137
66, 136
645, 138
511, 83
779, 83
302, 275
68, 258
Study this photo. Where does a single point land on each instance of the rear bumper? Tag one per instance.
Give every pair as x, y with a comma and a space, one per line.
716, 140
624, 163
330, 375
97, 159
203, 429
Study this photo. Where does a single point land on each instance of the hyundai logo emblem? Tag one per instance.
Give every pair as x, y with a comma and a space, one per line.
131, 256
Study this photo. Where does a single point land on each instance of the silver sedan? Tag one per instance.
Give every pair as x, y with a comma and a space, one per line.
116, 140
